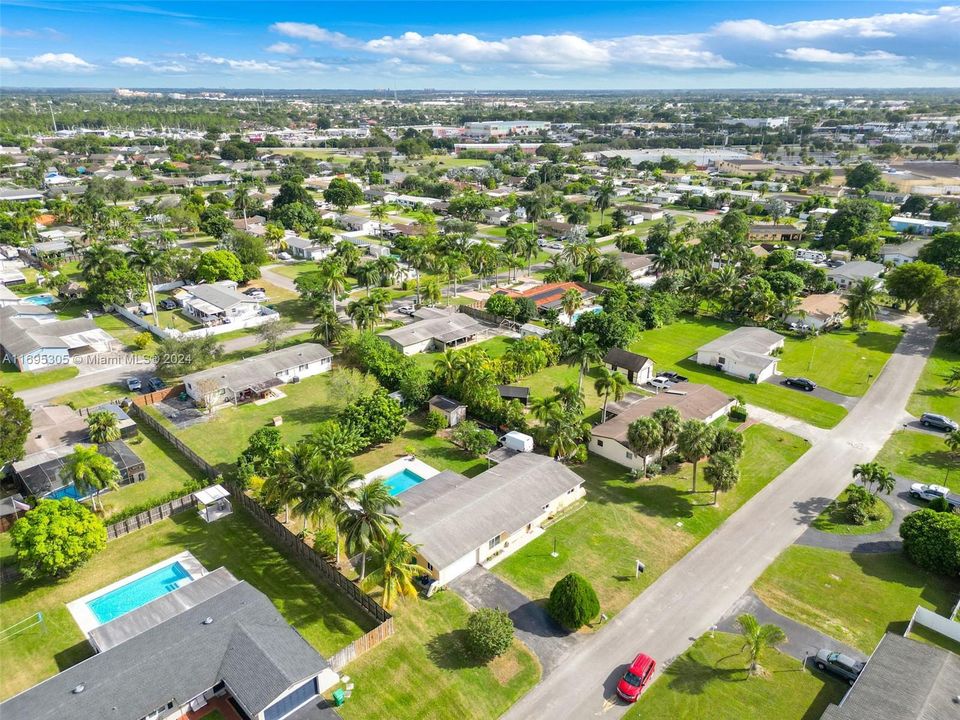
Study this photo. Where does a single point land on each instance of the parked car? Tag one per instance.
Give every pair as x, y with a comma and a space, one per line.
636, 678
555, 245
167, 304
256, 293
938, 422
155, 383
406, 310
801, 383
134, 384
541, 242
285, 256
660, 382
926, 492
838, 664
674, 377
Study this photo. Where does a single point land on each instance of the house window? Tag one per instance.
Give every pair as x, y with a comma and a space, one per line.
291, 701
493, 542
429, 567
158, 712
599, 443
629, 455
722, 360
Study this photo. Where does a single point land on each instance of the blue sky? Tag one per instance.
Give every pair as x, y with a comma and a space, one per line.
484, 44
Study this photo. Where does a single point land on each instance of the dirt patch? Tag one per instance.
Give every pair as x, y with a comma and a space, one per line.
505, 667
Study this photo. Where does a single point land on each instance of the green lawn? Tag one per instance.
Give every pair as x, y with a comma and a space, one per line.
843, 361
710, 680
623, 520
321, 615
293, 270
423, 671
94, 396
929, 395
921, 457
670, 348
922, 633
12, 378
834, 519
124, 331
494, 347
856, 597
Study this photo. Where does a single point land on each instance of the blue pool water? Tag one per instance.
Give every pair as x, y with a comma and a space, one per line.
45, 299
403, 480
67, 491
138, 592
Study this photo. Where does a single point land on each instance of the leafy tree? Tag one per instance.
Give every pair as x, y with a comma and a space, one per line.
501, 305
610, 328
103, 427
271, 333
489, 633
56, 537
394, 572
931, 539
15, 425
943, 251
853, 218
263, 455
368, 522
215, 223
87, 469
219, 265
694, 442
475, 440
116, 286
291, 192
179, 356
343, 194
721, 473
757, 638
644, 436
941, 306
864, 176
377, 418
914, 204
435, 421
573, 602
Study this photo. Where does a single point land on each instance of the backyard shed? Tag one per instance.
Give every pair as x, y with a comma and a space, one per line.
452, 410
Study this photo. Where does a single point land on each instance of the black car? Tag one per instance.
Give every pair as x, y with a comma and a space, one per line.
167, 304
674, 377
801, 383
155, 384
938, 422
838, 664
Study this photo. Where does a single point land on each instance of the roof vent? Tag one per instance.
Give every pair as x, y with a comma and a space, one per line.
79, 689
208, 621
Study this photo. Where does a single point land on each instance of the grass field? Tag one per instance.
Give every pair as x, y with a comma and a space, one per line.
930, 395
856, 597
921, 457
12, 378
323, 617
710, 680
623, 520
670, 348
843, 361
424, 672
834, 520
94, 396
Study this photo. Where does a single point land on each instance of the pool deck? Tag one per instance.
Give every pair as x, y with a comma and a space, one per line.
80, 608
418, 467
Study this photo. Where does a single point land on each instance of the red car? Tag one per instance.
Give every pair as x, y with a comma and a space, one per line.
636, 677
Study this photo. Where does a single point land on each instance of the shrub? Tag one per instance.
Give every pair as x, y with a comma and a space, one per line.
859, 504
142, 340
56, 537
128, 512
931, 539
654, 469
738, 413
940, 504
475, 440
672, 458
489, 633
435, 421
376, 418
573, 602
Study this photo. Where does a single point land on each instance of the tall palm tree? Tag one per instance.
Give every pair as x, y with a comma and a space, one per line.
103, 427
542, 408
721, 473
670, 420
368, 522
379, 212
86, 468
417, 255
570, 398
367, 274
604, 197
395, 567
333, 279
571, 301
242, 201
328, 327
610, 382
363, 313
280, 486
481, 258
452, 265
592, 258
694, 442
574, 253
643, 437
388, 268
953, 442
862, 302
309, 491
757, 638
341, 482
584, 350
148, 259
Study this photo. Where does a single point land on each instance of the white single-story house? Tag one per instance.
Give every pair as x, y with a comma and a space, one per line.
460, 522
852, 272
906, 252
306, 249
37, 340
358, 223
636, 214
917, 226
695, 402
218, 302
638, 368
445, 330
254, 377
744, 352
637, 265
820, 311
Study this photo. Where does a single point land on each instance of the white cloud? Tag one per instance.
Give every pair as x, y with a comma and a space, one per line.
45, 32
258, 66
56, 62
819, 55
283, 48
8, 65
128, 61
313, 33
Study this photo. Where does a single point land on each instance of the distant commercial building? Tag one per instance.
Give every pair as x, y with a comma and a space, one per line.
770, 123
489, 130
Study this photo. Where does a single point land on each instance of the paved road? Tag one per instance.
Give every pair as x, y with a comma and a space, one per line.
686, 600
281, 281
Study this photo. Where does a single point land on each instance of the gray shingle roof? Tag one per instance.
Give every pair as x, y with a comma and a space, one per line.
445, 329
223, 297
745, 339
625, 359
20, 336
260, 368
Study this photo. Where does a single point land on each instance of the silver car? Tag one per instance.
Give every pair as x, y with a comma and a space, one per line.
839, 664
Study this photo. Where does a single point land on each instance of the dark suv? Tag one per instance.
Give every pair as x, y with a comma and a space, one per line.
938, 422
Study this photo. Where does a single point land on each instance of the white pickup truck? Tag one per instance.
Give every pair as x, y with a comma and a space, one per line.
932, 492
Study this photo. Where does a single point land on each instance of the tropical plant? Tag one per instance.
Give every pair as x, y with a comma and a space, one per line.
328, 327
583, 350
757, 638
875, 477
610, 382
87, 469
394, 569
953, 442
862, 302
644, 436
103, 427
721, 473
670, 420
694, 442
368, 521
603, 197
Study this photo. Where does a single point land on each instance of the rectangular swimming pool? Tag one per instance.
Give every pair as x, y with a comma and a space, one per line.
403, 480
136, 593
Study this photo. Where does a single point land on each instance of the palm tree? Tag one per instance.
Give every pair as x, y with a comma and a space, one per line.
367, 274
416, 254
584, 350
694, 441
432, 294
610, 382
953, 442
368, 522
333, 279
643, 437
542, 408
387, 266
670, 420
570, 398
363, 313
874, 474
341, 482
604, 196
145, 256
721, 473
953, 379
480, 258
280, 486
309, 491
452, 265
592, 258
86, 468
862, 302
757, 638
571, 301
328, 327
566, 435
103, 427
242, 201
394, 560
379, 213
574, 253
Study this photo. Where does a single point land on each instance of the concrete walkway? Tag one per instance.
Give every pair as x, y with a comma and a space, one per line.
549, 642
802, 640
808, 432
888, 540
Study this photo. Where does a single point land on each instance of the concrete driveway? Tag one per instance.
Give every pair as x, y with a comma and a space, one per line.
549, 642
823, 393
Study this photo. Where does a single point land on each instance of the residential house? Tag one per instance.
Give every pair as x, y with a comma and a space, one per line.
853, 272
218, 303
497, 216
890, 198
34, 340
459, 522
20, 194
254, 377
549, 296
917, 226
306, 249
639, 368
559, 230
769, 232
745, 353
905, 252
214, 179
39, 474
452, 410
636, 214
437, 331
693, 401
638, 265
820, 312
215, 639
359, 223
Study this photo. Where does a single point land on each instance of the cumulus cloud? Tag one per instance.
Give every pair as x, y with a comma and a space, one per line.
819, 55
313, 33
163, 66
258, 66
49, 62
283, 48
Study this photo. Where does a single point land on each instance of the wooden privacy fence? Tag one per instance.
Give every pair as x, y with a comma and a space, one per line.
149, 517
358, 647
141, 415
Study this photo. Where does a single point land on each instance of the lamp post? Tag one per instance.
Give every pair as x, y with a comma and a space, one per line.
554, 554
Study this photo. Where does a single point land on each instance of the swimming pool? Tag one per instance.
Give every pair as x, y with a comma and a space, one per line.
403, 480
67, 491
136, 593
45, 299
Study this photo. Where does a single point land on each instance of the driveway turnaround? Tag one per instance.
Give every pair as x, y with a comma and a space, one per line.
690, 597
549, 642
